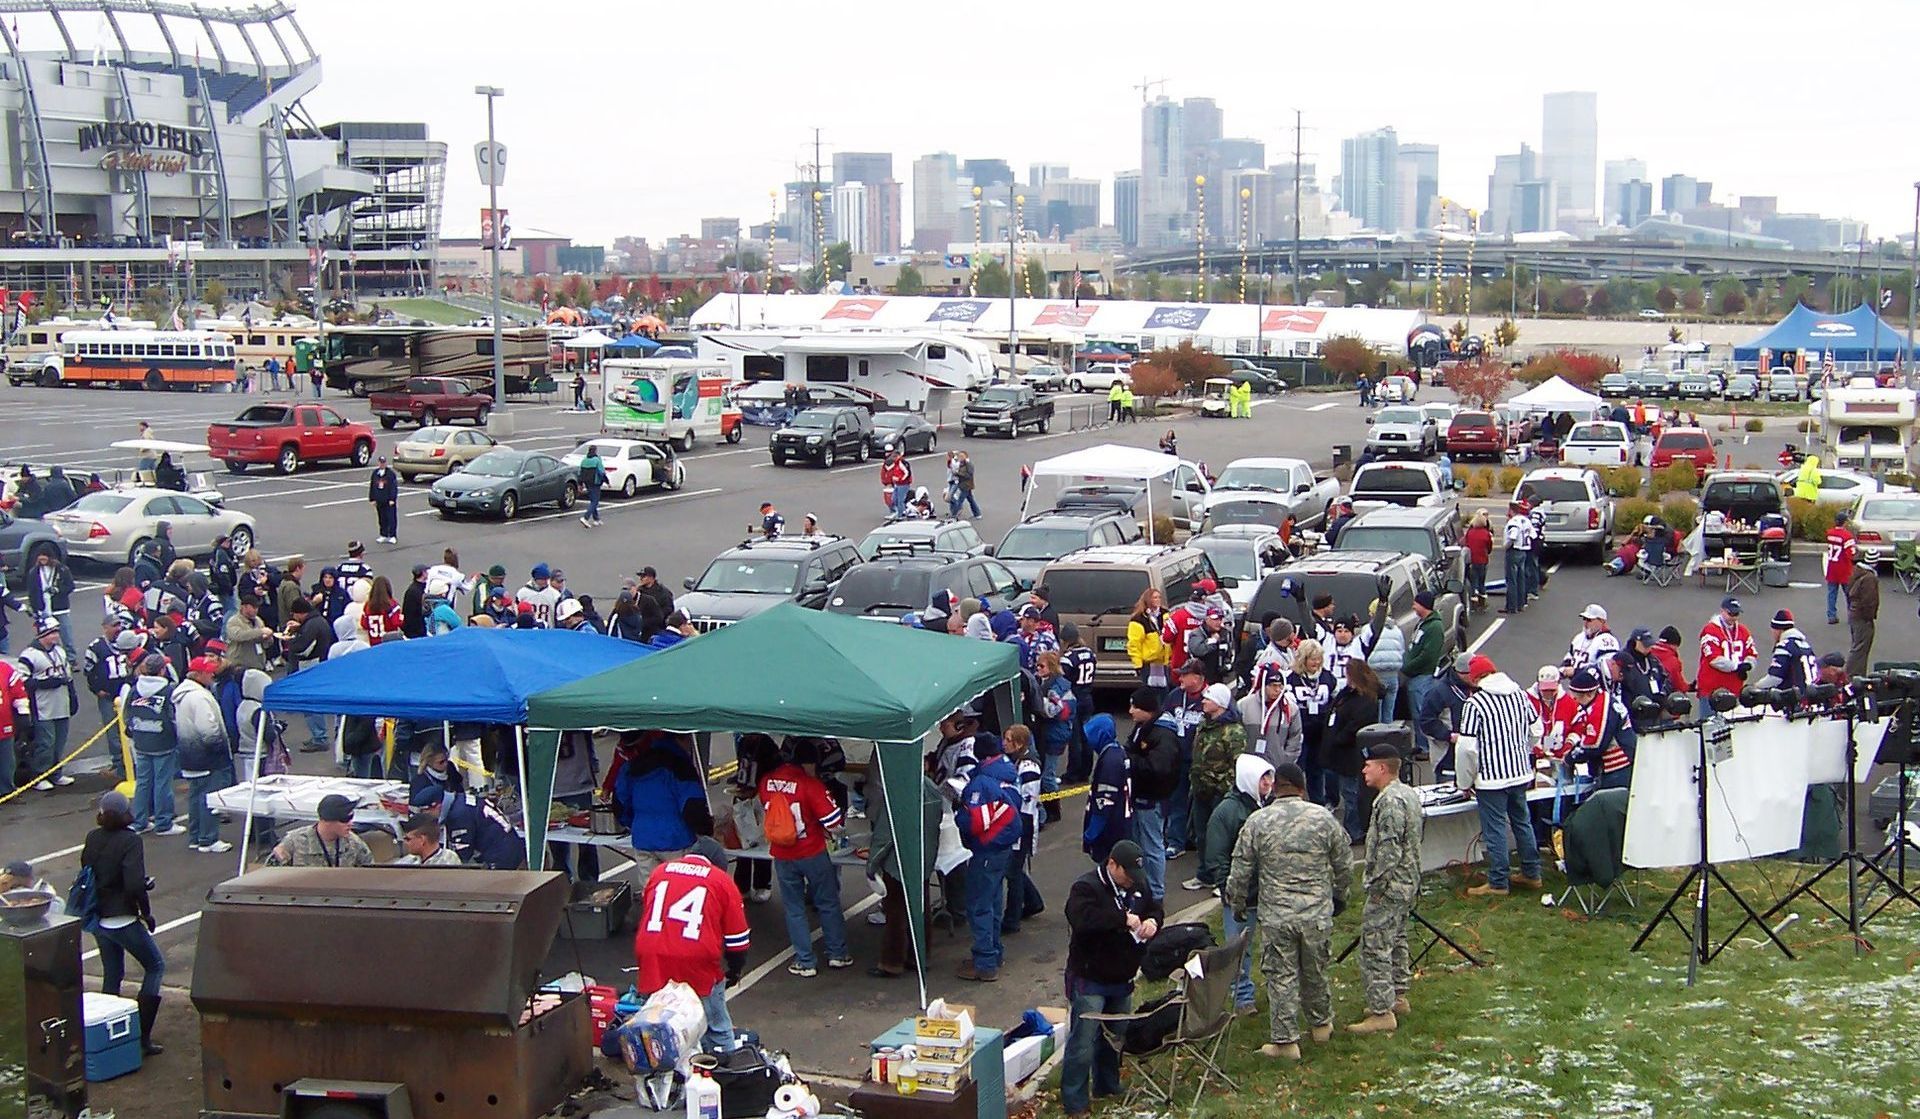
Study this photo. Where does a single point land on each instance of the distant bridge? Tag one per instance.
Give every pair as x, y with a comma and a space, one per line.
1585, 260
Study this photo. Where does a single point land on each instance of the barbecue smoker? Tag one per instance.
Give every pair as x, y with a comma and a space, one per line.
379, 993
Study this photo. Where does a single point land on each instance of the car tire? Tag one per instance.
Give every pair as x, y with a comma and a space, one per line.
826, 458
569, 494
933, 443
738, 433
1077, 385
133, 551
388, 423
241, 539
860, 453
429, 417
359, 389
154, 381
685, 443
967, 431
509, 505
363, 452
1045, 423
409, 479
47, 378
288, 460
676, 477
480, 416
629, 487
235, 466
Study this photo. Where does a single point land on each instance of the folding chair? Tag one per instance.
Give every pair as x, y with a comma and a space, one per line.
1601, 822
1906, 564
1669, 568
1205, 1008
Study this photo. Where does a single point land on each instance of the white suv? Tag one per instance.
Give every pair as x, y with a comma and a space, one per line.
1100, 377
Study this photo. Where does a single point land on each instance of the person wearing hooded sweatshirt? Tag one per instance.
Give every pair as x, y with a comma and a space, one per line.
1494, 752
989, 819
441, 616
1110, 793
1386, 650
146, 705
205, 753
1272, 719
1218, 742
1252, 788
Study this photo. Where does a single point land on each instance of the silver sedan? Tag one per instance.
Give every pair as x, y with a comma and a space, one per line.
110, 526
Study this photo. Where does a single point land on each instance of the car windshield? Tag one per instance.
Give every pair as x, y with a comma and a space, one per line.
1353, 591
1595, 433
873, 588
1557, 489
892, 420
1392, 479
999, 396
1399, 416
1233, 559
1473, 419
1037, 542
1274, 478
1246, 513
1872, 509
100, 503
428, 435
750, 576
1386, 538
812, 419
494, 464
1089, 591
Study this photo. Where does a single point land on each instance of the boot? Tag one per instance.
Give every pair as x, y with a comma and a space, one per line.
1375, 1024
1279, 1052
1322, 1034
1401, 1006
1524, 882
149, 1012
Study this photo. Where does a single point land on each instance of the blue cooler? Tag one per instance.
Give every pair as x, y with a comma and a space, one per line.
113, 1035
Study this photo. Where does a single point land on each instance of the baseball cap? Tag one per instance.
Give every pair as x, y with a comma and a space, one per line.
1206, 586
497, 571
1215, 612
18, 868
1481, 665
126, 641
1218, 694
497, 592
1640, 633
419, 569
203, 664
1287, 773
1548, 674
1783, 618
1584, 679
648, 572
1042, 591
1030, 611
556, 573
567, 609
1463, 663
542, 571
114, 800
987, 745
1127, 853
1594, 612
1424, 598
335, 809
1671, 635
1731, 605
1833, 660
427, 794
1193, 667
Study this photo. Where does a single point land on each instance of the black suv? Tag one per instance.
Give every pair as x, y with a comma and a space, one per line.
897, 582
825, 435
1046, 536
758, 574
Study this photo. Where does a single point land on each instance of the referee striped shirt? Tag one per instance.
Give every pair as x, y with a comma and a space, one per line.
1502, 723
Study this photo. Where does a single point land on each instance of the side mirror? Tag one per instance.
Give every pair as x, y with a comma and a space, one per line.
1300, 488
1459, 483
1197, 486
687, 582
1227, 582
814, 586
1369, 421
986, 550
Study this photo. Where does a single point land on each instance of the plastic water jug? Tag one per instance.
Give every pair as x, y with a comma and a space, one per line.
703, 1095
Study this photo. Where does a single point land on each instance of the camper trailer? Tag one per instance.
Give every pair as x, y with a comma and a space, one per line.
916, 372
1868, 428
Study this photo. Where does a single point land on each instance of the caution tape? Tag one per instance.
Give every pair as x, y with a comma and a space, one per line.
1062, 794
74, 753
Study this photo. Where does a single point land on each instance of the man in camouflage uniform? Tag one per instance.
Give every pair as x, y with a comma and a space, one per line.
1392, 882
1217, 745
329, 842
1297, 855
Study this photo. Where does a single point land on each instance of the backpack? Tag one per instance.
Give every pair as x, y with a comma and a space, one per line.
83, 900
1167, 952
782, 823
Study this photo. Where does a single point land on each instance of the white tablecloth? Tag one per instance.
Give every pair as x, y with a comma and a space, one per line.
294, 796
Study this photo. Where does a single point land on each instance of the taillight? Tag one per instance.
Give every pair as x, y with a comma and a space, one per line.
439, 452
1593, 518
1868, 536
97, 530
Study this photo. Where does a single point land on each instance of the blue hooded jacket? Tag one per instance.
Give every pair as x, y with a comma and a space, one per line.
989, 813
1110, 799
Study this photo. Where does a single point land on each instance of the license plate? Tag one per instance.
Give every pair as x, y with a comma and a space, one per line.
1113, 644
1903, 536
1556, 518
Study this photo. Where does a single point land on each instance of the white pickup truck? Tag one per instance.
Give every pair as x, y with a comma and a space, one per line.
1598, 443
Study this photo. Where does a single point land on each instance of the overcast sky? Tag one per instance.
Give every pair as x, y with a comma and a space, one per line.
643, 118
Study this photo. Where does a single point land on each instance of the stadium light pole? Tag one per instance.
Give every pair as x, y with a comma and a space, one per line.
1913, 282
490, 92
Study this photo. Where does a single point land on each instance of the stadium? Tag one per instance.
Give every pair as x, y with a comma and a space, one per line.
149, 143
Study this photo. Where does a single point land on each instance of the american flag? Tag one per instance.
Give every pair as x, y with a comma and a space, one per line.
1826, 367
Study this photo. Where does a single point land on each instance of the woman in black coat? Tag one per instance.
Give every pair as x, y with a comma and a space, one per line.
1356, 708
117, 856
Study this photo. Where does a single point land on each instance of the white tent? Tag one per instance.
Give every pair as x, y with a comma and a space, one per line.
590, 340
1556, 394
1108, 462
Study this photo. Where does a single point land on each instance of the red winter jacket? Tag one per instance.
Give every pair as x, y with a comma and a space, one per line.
14, 706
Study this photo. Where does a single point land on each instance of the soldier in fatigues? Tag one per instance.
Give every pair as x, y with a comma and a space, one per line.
1392, 882
1296, 854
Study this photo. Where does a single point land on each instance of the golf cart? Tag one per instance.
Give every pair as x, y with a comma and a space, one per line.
1214, 404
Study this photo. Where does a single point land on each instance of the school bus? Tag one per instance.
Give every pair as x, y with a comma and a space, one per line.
32, 354
152, 359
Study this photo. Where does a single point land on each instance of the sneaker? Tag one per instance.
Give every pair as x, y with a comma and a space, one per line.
217, 847
43, 786
856, 813
759, 896
1193, 884
840, 963
1174, 853
63, 780
876, 918
178, 828
804, 971
586, 522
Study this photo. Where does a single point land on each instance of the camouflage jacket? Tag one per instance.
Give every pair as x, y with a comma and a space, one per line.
1393, 844
1216, 745
304, 847
1298, 857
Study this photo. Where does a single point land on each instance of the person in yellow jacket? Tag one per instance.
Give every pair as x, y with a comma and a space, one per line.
1115, 394
1126, 405
1243, 400
1146, 651
1806, 485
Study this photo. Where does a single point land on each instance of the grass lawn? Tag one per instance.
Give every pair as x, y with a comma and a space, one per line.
432, 310
1564, 1021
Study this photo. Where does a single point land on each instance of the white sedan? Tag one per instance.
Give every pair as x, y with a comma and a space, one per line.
633, 464
110, 526
1839, 487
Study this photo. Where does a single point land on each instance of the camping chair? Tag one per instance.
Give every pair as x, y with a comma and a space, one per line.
1670, 567
1906, 564
1205, 1009
1594, 839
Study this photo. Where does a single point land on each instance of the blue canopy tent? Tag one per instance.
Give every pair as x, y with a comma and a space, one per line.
630, 345
472, 675
1858, 336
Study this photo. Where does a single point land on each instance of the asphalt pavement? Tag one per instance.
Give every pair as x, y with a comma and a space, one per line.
825, 1020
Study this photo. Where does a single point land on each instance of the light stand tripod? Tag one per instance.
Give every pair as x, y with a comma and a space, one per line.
1700, 877
1851, 858
1439, 938
1907, 722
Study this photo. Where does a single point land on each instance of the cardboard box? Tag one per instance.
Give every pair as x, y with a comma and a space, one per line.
950, 1030
945, 1053
1025, 1056
938, 1077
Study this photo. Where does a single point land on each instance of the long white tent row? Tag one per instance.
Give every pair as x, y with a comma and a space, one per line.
1224, 328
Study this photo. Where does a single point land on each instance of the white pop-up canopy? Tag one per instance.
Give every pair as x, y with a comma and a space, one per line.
1106, 464
1556, 394
590, 340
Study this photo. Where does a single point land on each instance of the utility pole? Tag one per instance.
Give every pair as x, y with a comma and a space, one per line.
1296, 208
1913, 283
819, 221
492, 172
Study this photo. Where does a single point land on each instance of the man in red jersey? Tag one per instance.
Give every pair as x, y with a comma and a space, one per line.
693, 930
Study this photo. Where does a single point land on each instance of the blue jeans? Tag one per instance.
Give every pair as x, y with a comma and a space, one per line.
898, 498
65, 618
1231, 927
317, 731
1090, 1067
1833, 601
966, 498
1389, 695
593, 503
1179, 806
719, 1036
1079, 758
8, 762
986, 905
814, 880
1356, 825
1426, 698
1516, 580
366, 766
1504, 811
49, 746
1150, 832
203, 827
1050, 769
129, 940
1477, 579
153, 776
1533, 573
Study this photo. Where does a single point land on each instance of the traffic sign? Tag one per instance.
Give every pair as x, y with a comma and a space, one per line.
490, 158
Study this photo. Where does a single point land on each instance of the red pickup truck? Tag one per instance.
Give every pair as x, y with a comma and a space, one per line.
430, 400
286, 434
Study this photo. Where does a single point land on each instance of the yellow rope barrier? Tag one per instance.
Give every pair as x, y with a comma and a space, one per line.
74, 753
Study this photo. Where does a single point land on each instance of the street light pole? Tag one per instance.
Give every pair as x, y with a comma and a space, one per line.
1913, 282
493, 205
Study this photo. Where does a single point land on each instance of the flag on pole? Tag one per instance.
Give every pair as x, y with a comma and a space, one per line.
1826, 367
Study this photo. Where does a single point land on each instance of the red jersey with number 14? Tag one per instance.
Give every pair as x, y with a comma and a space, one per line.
690, 916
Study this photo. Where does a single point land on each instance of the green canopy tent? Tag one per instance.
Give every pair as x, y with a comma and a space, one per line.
787, 671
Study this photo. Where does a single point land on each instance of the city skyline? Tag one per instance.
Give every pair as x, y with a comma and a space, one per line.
737, 139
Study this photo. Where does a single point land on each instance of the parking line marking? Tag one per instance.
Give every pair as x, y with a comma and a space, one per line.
1324, 407
1486, 635
169, 926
